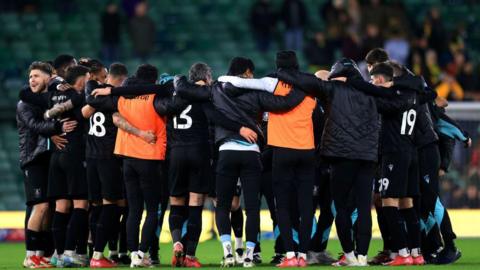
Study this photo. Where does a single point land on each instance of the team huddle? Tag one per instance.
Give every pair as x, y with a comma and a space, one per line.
99, 148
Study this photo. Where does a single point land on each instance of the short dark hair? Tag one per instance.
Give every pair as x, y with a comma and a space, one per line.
147, 73
239, 65
73, 73
286, 59
377, 55
383, 69
62, 61
199, 72
398, 69
42, 66
118, 69
94, 65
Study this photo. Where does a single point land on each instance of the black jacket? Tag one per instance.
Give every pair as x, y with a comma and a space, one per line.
352, 122
239, 105
33, 132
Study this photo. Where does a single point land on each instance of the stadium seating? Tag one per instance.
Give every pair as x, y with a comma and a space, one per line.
187, 31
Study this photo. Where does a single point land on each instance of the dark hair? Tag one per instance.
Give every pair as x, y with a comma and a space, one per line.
377, 55
398, 69
147, 73
118, 69
383, 69
199, 72
62, 61
239, 65
286, 59
74, 73
42, 66
94, 65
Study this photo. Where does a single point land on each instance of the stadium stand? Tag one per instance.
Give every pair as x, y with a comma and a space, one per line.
186, 32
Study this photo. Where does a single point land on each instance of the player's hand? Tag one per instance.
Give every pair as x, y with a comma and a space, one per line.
468, 143
59, 141
441, 172
63, 87
68, 126
441, 102
148, 136
322, 75
387, 84
341, 79
102, 91
248, 134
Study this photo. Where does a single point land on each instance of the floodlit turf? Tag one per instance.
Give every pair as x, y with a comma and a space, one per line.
11, 255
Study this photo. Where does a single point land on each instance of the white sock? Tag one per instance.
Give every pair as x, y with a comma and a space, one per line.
39, 253
249, 252
415, 252
132, 254
403, 252
362, 258
227, 248
302, 255
393, 255
141, 254
68, 253
30, 253
97, 255
290, 254
238, 242
350, 256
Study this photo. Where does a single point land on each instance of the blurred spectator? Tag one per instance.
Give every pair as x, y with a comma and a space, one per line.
374, 12
142, 32
397, 46
435, 32
373, 38
334, 13
396, 18
468, 79
354, 15
294, 15
319, 51
262, 21
110, 33
351, 46
129, 7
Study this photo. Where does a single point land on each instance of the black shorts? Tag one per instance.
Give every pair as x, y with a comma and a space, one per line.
66, 177
400, 175
36, 180
188, 170
104, 178
212, 193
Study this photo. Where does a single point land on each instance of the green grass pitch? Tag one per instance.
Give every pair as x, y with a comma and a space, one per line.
11, 255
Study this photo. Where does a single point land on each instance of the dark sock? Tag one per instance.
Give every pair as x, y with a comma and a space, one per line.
194, 228
105, 226
95, 211
175, 220
59, 228
32, 240
77, 231
236, 219
122, 245
396, 228
47, 243
413, 227
382, 225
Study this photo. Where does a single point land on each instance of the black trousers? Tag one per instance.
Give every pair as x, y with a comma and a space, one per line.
322, 198
266, 190
348, 175
430, 205
143, 180
293, 174
231, 166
